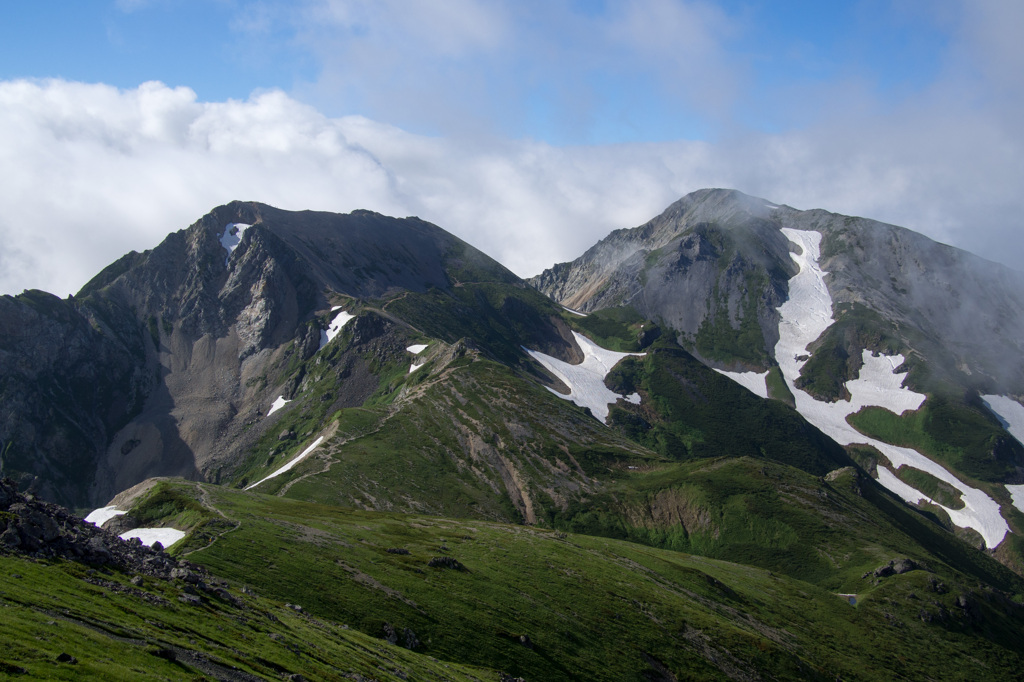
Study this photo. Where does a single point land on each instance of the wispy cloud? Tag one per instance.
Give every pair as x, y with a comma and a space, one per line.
92, 171
89, 171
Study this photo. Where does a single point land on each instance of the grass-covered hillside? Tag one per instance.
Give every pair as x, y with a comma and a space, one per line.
549, 605
66, 620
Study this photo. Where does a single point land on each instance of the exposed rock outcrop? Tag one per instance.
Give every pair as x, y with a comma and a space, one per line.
48, 531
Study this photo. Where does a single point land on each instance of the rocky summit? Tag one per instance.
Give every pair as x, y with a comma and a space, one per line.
740, 441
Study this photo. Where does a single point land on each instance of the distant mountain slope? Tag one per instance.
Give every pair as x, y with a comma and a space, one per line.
714, 267
799, 302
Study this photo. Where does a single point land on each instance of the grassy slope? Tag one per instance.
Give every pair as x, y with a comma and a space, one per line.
593, 608
462, 442
499, 317
619, 329
949, 431
116, 632
689, 411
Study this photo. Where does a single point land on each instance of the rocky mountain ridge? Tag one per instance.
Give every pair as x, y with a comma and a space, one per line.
724, 250
166, 359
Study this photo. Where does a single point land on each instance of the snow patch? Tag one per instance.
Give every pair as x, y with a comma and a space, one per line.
574, 312
339, 321
232, 237
100, 516
804, 317
148, 536
1017, 495
417, 348
586, 380
808, 311
752, 381
1009, 412
278, 404
287, 467
413, 367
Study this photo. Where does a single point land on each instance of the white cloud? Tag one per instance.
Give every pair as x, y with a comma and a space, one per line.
90, 172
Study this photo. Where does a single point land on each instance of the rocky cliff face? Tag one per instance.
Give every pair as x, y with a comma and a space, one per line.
712, 267
71, 376
165, 363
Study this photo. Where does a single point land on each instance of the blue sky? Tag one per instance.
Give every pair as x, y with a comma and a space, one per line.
122, 120
564, 82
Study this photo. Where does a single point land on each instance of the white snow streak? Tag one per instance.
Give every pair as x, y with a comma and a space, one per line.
808, 311
100, 516
278, 404
1017, 495
417, 348
232, 237
752, 381
805, 316
287, 467
574, 312
413, 367
339, 321
148, 536
165, 536
586, 380
1011, 414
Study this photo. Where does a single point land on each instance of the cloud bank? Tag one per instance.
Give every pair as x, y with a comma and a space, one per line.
91, 172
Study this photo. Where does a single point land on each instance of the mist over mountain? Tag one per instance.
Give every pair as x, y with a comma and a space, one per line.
716, 263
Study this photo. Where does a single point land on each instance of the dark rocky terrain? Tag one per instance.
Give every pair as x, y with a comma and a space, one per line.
47, 531
164, 363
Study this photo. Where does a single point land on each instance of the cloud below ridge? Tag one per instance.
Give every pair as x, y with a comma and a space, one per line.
92, 171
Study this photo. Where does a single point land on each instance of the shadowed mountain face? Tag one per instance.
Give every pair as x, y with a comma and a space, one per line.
714, 268
165, 361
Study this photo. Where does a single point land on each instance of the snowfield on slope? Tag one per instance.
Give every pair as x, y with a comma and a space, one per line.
416, 349
277, 405
287, 467
586, 380
752, 381
98, 517
1009, 411
165, 536
804, 317
232, 237
339, 321
1011, 414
